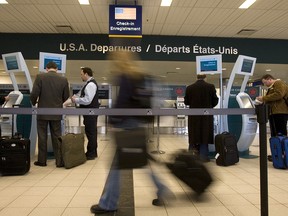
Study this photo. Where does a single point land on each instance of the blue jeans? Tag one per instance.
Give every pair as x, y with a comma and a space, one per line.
110, 196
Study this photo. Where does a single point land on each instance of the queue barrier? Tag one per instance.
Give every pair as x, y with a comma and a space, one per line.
261, 111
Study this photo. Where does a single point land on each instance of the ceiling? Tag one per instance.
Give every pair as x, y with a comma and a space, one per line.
213, 18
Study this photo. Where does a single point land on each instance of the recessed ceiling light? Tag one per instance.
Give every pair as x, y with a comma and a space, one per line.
224, 69
178, 68
268, 70
247, 4
84, 2
165, 3
3, 2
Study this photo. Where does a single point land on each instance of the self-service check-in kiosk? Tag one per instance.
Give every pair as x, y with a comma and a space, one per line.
15, 99
212, 64
244, 129
249, 123
14, 63
60, 60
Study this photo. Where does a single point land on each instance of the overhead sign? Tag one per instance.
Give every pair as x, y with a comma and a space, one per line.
125, 21
151, 48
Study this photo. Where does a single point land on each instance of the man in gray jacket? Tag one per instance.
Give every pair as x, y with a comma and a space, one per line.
50, 90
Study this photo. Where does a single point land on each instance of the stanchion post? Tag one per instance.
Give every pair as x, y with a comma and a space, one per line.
262, 119
158, 151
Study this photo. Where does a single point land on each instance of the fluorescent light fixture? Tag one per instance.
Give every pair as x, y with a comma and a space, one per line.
165, 3
3, 2
247, 4
84, 2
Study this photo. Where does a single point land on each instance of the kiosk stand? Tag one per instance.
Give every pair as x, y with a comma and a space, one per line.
15, 63
212, 64
247, 126
60, 60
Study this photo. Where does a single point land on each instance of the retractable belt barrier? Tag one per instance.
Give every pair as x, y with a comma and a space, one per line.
260, 111
125, 112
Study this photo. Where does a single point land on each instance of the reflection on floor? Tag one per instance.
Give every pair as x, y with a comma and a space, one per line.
58, 191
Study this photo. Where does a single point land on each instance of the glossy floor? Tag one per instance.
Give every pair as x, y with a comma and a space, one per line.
58, 191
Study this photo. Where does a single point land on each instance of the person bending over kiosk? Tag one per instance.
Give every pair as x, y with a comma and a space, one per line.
87, 97
276, 97
200, 128
51, 90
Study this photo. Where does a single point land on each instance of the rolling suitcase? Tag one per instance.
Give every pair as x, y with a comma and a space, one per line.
72, 151
191, 171
131, 148
276, 147
15, 156
285, 148
226, 149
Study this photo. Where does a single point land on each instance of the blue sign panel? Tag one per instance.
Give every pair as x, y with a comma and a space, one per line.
125, 21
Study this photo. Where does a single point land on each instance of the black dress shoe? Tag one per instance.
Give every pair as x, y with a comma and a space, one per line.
96, 209
157, 202
204, 160
269, 157
37, 163
90, 157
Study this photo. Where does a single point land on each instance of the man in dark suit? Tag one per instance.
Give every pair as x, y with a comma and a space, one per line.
87, 97
200, 128
50, 90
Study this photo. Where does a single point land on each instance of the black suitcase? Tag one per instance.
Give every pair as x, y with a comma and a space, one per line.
131, 148
191, 171
15, 156
226, 149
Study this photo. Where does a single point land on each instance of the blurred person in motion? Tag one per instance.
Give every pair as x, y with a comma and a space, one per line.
128, 74
87, 97
3, 99
200, 128
276, 98
50, 90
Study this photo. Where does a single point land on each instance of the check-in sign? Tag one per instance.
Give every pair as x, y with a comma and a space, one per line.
125, 21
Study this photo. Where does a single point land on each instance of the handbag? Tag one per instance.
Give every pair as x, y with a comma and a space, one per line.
72, 151
131, 148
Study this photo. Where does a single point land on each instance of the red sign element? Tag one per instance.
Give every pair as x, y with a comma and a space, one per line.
252, 91
179, 91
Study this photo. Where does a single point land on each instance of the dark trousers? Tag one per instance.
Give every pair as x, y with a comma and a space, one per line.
278, 124
90, 123
42, 129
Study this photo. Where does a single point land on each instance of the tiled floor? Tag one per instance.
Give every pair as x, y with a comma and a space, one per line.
58, 191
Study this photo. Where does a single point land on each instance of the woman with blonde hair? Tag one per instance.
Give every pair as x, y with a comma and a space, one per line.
129, 75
